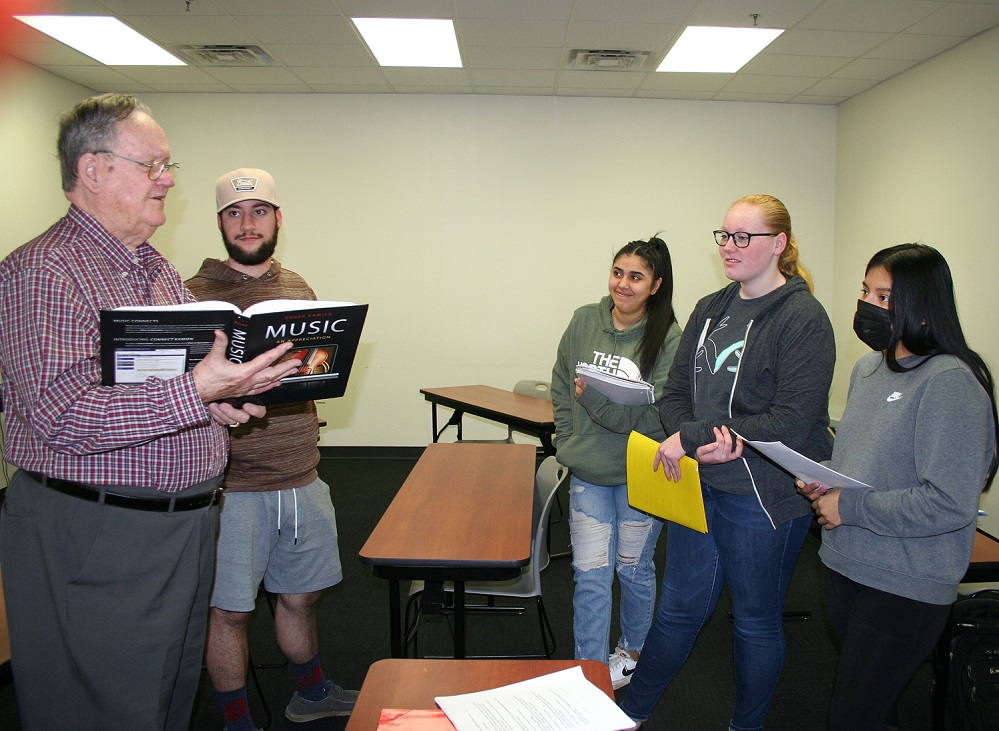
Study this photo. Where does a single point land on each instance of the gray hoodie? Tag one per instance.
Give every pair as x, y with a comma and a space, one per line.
591, 432
781, 389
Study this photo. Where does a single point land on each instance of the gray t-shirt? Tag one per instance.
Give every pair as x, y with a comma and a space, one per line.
716, 369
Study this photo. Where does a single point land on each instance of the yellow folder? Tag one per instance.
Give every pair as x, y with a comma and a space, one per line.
680, 502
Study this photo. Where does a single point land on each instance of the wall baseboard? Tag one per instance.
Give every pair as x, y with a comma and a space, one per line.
412, 453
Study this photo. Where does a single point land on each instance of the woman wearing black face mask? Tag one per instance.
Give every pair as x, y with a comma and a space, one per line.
918, 430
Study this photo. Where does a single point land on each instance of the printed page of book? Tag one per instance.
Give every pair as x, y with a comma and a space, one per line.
618, 389
206, 305
680, 502
805, 469
561, 701
289, 305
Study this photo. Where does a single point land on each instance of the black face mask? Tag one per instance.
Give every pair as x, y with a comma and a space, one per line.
872, 325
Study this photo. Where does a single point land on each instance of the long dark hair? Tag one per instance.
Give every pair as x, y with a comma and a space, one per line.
659, 308
924, 317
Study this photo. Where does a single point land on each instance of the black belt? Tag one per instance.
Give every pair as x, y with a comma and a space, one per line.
101, 495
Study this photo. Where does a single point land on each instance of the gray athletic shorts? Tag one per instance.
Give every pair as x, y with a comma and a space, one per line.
265, 536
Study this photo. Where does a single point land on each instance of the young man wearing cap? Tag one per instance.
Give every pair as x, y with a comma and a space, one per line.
277, 521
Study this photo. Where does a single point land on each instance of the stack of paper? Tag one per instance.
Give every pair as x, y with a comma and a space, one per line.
618, 389
561, 701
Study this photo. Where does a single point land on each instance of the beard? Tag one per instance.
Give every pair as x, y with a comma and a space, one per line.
263, 252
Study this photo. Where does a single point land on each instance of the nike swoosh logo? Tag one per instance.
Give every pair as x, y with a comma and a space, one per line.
628, 671
894, 397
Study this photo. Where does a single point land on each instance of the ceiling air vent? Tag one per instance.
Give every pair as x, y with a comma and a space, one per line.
587, 60
226, 55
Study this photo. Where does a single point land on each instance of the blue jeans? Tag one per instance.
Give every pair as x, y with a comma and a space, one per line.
607, 533
743, 549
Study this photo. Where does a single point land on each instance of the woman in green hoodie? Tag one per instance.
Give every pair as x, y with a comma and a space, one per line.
633, 333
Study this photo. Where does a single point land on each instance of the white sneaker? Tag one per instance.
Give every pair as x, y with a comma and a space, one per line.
621, 667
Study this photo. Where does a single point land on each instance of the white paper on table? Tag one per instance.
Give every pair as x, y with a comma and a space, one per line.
805, 469
560, 701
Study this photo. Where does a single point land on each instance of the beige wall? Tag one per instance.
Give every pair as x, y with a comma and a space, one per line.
473, 226
917, 160
30, 103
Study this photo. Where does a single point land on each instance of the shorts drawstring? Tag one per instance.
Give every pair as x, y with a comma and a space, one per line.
294, 493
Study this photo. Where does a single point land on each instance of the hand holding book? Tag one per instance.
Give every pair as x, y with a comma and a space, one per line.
217, 379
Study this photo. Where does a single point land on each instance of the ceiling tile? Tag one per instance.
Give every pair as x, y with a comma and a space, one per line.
515, 9
330, 55
959, 19
302, 29
353, 76
840, 87
885, 16
685, 82
775, 63
826, 43
499, 77
909, 47
775, 85
498, 57
635, 11
654, 37
600, 79
876, 69
493, 32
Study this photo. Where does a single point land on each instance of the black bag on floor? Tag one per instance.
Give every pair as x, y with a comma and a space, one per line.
973, 672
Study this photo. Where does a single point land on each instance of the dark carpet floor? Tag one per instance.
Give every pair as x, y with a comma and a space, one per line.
354, 632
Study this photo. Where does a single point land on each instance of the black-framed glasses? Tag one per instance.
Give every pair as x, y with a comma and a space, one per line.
156, 168
740, 238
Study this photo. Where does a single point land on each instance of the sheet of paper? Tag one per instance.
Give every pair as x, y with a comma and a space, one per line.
561, 701
805, 469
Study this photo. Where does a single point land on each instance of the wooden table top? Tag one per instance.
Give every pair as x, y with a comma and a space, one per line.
413, 684
985, 548
463, 505
494, 400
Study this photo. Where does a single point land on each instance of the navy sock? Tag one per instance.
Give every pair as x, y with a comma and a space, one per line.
236, 710
309, 680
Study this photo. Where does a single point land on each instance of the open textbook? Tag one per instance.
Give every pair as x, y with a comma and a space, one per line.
560, 701
805, 469
680, 502
618, 389
165, 341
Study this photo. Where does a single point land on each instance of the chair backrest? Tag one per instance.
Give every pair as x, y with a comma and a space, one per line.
538, 389
550, 476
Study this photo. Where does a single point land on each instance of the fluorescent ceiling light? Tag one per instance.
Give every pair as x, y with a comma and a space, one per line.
703, 48
411, 41
104, 39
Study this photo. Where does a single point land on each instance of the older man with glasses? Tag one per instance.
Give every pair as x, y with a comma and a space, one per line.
108, 530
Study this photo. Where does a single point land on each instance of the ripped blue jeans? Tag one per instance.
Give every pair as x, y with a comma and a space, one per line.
609, 534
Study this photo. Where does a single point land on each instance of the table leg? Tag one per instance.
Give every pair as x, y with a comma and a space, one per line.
459, 620
395, 619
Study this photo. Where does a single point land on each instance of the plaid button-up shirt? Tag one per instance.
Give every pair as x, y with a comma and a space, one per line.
60, 420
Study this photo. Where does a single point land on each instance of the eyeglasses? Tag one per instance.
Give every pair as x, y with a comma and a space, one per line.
156, 169
740, 238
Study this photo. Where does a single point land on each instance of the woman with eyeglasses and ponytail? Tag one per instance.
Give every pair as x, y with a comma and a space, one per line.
756, 357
